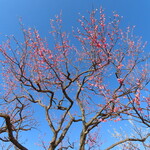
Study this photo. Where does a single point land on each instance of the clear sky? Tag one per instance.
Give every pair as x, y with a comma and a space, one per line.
37, 13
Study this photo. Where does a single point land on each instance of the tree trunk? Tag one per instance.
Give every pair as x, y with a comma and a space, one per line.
82, 140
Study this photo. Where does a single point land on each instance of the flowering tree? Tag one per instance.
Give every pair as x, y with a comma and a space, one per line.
102, 79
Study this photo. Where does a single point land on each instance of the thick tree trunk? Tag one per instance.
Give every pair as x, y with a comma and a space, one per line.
82, 140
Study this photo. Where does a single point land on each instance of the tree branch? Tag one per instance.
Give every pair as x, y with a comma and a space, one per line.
128, 139
10, 132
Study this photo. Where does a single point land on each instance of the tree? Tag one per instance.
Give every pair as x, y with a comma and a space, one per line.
102, 79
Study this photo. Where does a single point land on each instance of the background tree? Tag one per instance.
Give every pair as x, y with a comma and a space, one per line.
101, 79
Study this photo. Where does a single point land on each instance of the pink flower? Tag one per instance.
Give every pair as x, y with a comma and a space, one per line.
120, 80
98, 45
118, 119
96, 27
116, 15
119, 66
103, 120
136, 100
139, 109
116, 109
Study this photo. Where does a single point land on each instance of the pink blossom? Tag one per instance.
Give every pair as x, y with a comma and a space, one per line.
116, 15
136, 100
116, 120
120, 66
116, 109
120, 80
96, 27
102, 120
98, 45
139, 109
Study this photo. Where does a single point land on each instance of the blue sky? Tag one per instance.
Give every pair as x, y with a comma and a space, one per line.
37, 13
